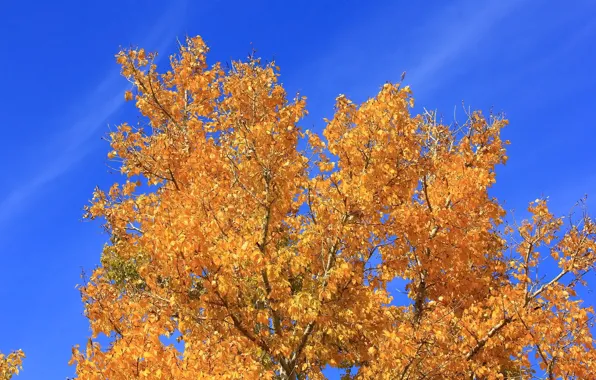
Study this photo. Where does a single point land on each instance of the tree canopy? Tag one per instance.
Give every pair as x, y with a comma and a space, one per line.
10, 364
242, 246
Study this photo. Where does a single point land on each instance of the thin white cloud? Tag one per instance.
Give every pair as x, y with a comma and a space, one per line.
103, 102
429, 46
453, 37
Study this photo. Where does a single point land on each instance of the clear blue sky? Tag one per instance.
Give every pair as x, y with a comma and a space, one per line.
534, 60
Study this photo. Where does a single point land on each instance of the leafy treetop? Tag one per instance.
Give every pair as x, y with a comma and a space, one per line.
10, 364
265, 261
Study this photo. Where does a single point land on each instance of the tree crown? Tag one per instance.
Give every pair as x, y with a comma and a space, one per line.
263, 260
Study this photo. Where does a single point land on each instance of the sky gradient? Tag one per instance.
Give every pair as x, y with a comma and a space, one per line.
532, 60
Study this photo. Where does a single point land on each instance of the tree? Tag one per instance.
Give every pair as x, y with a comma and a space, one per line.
265, 261
11, 364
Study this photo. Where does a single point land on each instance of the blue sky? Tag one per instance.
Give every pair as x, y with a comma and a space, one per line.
534, 60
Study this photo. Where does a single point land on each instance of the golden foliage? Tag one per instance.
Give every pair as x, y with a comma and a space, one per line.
266, 261
11, 364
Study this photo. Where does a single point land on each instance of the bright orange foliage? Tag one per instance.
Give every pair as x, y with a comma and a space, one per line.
264, 261
10, 364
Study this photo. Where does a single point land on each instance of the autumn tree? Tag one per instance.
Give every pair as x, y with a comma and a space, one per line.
233, 254
10, 364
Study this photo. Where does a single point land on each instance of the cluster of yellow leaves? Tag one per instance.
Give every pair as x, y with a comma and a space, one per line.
265, 261
11, 364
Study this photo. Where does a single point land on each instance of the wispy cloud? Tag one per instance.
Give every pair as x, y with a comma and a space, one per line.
452, 37
102, 103
430, 47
